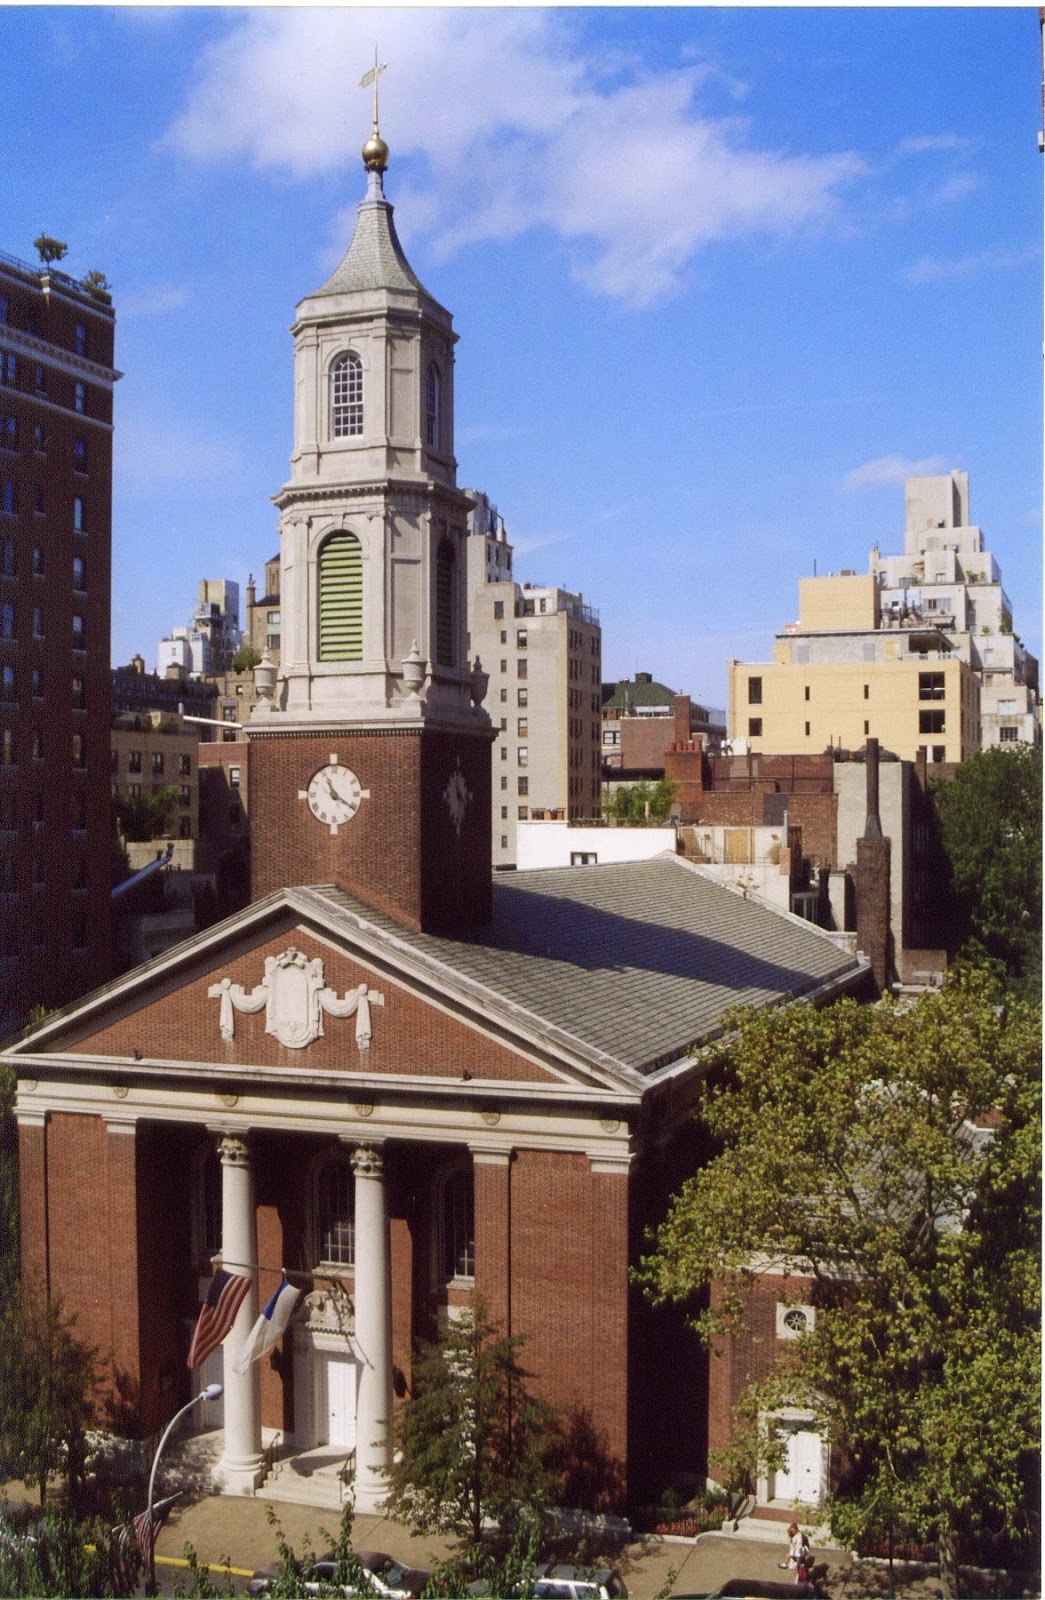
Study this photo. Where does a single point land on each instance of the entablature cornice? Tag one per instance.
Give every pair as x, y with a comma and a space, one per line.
517, 1128
60, 360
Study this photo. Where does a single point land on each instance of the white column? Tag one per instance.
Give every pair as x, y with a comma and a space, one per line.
373, 1330
240, 1469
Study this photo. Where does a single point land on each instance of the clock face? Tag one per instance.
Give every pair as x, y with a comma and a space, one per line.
334, 795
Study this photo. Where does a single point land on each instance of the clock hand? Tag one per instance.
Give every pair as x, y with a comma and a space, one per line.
333, 792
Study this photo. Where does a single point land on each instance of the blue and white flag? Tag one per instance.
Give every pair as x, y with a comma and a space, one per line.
269, 1328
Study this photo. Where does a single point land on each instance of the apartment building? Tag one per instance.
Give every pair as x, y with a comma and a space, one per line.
56, 394
542, 649
150, 755
919, 652
206, 646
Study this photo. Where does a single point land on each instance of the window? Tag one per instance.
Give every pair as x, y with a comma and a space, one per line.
583, 858
445, 569
7, 747
8, 496
346, 397
81, 339
184, 827
524, 785
134, 761
341, 599
754, 691
520, 638
498, 610
867, 691
79, 571
807, 730
504, 841
931, 686
80, 397
38, 499
134, 791
522, 697
38, 561
38, 683
523, 755
79, 456
184, 766
867, 728
78, 632
457, 1225
504, 696
433, 398
80, 813
5, 308
504, 724
8, 688
37, 744
523, 727
7, 622
39, 438
8, 565
335, 1232
184, 795
272, 618
8, 367
40, 378
38, 622
80, 696
754, 727
931, 722
524, 813
156, 763
807, 691
77, 515
504, 813
79, 755
1007, 735
522, 667
8, 433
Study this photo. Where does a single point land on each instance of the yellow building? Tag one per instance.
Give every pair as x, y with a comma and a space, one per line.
838, 678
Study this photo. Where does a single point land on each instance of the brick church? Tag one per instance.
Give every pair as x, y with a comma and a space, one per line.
394, 1077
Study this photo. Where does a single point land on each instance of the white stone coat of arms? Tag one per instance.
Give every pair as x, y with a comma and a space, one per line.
295, 996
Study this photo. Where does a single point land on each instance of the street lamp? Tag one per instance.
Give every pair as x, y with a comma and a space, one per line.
213, 1391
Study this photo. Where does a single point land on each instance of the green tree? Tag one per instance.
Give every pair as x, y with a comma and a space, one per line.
989, 816
852, 1149
246, 658
47, 1382
9, 1254
56, 1553
642, 802
148, 816
50, 250
97, 284
472, 1440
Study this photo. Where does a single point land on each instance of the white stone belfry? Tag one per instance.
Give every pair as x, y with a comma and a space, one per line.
240, 1469
373, 1329
373, 527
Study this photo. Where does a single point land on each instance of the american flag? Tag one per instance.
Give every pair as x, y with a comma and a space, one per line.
226, 1294
145, 1529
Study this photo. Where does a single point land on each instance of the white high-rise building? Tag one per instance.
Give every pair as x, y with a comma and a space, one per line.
542, 649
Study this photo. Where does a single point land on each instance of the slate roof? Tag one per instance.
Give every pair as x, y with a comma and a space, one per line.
374, 258
630, 693
637, 961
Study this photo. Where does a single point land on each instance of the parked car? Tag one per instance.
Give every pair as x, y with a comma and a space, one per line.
386, 1578
756, 1589
562, 1581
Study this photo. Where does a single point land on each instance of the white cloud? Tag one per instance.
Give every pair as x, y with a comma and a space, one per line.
957, 187
930, 143
530, 132
930, 269
891, 470
152, 300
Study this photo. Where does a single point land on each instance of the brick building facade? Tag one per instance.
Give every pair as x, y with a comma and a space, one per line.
56, 394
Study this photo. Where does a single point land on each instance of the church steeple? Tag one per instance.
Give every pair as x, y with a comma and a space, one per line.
373, 532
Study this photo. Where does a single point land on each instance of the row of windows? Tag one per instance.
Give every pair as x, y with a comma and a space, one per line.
522, 696
37, 811
133, 791
36, 747
9, 367
346, 400
157, 763
9, 687
11, 501
32, 325
37, 873
7, 625
10, 435
9, 564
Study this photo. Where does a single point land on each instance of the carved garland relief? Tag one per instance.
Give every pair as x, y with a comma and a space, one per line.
295, 996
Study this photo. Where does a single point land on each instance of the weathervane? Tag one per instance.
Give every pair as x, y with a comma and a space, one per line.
372, 77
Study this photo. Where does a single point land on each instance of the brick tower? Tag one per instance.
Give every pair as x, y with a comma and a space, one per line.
370, 753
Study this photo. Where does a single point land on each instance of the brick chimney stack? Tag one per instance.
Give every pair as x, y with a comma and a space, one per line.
873, 870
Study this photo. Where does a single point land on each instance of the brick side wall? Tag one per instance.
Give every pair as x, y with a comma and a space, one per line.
32, 1202
749, 1356
409, 1036
817, 816
493, 1259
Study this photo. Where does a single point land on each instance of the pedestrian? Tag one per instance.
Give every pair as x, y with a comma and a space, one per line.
798, 1549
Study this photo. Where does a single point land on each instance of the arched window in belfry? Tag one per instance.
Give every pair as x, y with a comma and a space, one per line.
433, 406
341, 599
445, 582
346, 396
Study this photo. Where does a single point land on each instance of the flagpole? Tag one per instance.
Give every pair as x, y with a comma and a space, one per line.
265, 1266
213, 1391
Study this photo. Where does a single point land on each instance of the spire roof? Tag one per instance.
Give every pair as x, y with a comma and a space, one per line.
374, 258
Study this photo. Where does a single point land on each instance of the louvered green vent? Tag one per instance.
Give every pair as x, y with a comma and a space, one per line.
341, 599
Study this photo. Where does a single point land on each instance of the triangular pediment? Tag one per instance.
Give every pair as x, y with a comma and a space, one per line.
281, 993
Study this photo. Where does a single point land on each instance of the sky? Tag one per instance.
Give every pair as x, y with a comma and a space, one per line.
722, 279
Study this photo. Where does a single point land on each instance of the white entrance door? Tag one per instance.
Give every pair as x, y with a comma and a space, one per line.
799, 1478
340, 1401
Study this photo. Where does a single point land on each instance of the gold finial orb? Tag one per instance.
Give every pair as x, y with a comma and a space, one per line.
375, 154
